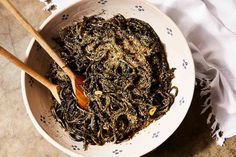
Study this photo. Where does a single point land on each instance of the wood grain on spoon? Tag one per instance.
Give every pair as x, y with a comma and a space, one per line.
52, 87
78, 90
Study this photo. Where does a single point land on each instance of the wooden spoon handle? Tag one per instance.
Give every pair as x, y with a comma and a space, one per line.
25, 68
8, 5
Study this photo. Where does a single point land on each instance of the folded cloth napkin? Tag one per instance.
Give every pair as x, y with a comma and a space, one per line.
210, 29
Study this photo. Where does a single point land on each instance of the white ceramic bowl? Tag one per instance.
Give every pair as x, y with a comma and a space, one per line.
38, 99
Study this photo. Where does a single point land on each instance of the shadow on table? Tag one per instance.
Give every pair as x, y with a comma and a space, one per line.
192, 136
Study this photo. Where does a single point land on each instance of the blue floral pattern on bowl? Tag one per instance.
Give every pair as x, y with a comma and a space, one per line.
181, 101
75, 147
139, 8
103, 2
31, 81
65, 16
169, 31
43, 119
156, 134
185, 64
117, 152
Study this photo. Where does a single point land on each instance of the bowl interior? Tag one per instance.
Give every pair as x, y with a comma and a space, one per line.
38, 99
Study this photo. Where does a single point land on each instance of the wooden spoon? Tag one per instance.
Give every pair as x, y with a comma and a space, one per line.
76, 81
52, 87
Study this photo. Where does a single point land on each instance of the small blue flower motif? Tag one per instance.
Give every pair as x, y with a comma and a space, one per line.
181, 101
65, 17
103, 2
185, 64
74, 147
43, 119
116, 151
155, 134
139, 7
31, 81
169, 31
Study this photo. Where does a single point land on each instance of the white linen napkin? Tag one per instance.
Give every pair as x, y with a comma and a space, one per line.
210, 29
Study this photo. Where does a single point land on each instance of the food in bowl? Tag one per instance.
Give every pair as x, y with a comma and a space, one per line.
127, 79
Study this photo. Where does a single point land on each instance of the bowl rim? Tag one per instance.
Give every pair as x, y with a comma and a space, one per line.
23, 76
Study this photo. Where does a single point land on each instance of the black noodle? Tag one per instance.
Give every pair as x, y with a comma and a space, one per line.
127, 79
